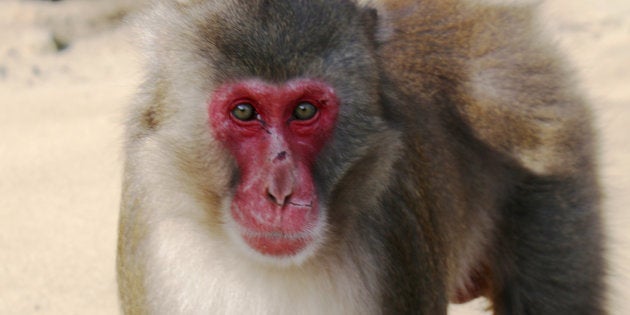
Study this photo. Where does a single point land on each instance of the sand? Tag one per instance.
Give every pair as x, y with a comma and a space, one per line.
67, 71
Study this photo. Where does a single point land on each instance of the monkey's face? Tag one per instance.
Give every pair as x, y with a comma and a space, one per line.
274, 132
292, 98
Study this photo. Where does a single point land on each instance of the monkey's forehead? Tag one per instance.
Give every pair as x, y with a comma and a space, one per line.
281, 39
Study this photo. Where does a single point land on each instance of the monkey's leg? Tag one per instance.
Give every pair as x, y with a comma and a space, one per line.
549, 259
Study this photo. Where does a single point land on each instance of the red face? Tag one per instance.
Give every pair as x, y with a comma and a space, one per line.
275, 132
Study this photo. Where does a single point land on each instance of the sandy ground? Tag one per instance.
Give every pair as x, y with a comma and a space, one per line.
67, 70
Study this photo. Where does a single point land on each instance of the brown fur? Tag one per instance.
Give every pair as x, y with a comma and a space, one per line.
462, 164
514, 90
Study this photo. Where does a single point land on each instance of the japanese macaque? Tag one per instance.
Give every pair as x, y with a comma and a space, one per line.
344, 157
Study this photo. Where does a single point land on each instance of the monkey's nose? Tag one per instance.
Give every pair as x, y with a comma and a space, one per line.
278, 195
280, 184
281, 180
278, 198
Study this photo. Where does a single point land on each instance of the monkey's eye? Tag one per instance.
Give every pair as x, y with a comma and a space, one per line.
304, 111
244, 112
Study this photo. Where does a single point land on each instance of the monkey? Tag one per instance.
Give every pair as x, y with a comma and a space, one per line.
357, 157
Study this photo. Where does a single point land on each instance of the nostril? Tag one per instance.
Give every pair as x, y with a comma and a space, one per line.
279, 199
272, 197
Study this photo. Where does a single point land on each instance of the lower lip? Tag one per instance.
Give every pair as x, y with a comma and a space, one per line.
277, 245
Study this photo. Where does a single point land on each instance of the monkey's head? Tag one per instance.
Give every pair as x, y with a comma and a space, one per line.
292, 101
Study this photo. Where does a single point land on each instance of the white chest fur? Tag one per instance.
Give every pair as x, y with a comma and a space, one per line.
193, 272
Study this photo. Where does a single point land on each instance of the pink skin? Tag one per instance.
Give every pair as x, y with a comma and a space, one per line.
275, 203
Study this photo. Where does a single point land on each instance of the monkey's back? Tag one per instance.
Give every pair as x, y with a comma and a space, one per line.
498, 72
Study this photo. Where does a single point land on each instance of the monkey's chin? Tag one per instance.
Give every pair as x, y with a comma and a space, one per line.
277, 249
274, 246
277, 244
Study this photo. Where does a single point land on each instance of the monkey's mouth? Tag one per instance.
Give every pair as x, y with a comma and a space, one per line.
277, 231
277, 243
